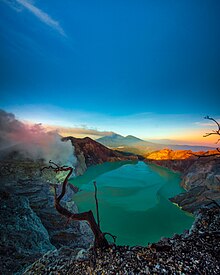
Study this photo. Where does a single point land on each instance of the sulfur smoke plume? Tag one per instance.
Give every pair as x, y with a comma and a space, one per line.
33, 141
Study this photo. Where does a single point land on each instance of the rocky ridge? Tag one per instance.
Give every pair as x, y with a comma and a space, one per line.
179, 160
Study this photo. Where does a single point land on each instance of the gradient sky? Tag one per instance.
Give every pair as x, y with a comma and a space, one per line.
147, 68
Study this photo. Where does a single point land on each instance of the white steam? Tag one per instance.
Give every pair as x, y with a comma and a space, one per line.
33, 141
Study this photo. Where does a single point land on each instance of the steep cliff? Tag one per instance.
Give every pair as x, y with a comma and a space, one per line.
89, 152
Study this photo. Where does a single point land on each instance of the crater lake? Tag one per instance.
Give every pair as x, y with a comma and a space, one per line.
133, 201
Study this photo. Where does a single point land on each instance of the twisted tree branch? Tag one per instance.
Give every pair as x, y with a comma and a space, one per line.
100, 240
214, 132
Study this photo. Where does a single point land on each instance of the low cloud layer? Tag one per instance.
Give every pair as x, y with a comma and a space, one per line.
33, 141
81, 132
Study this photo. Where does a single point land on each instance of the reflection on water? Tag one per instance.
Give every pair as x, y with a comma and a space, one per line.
95, 171
133, 201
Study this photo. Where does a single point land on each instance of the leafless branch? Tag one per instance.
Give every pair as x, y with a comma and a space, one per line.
97, 205
214, 132
210, 118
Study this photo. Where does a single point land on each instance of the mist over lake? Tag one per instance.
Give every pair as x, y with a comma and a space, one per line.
133, 201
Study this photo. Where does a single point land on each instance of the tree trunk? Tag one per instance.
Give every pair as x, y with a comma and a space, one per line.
100, 240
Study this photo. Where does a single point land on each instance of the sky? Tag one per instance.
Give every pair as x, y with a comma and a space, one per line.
146, 68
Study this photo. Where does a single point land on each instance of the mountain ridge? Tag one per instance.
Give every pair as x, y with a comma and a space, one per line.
136, 145
90, 152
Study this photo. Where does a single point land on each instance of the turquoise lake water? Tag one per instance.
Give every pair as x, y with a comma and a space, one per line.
133, 201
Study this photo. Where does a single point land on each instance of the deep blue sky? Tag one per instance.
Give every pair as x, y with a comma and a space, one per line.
116, 58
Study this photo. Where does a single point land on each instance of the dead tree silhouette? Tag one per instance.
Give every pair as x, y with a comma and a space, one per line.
100, 240
214, 132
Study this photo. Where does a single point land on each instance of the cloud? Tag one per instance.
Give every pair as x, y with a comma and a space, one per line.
143, 125
203, 124
13, 4
79, 131
40, 14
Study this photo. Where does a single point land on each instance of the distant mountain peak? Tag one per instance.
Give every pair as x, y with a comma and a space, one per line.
133, 137
115, 135
116, 140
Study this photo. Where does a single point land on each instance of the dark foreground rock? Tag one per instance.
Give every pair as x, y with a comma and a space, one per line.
22, 181
25, 180
23, 237
195, 252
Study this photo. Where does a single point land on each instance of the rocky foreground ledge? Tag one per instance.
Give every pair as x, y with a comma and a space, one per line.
194, 252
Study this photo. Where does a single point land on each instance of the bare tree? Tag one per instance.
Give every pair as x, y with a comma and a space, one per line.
100, 240
214, 132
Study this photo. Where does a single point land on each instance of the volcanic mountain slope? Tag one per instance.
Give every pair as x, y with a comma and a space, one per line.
129, 143
89, 152
139, 146
116, 140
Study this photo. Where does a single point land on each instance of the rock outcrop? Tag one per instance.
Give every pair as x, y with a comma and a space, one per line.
202, 182
89, 152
